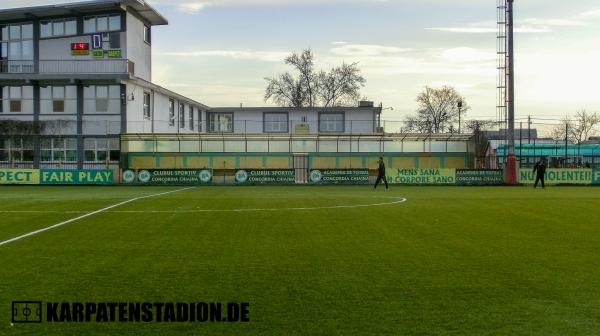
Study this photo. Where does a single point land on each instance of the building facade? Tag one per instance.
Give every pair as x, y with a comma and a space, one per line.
76, 91
74, 77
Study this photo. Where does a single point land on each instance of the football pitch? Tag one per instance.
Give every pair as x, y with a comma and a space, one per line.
309, 260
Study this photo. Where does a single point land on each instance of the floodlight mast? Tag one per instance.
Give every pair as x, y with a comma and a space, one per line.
511, 164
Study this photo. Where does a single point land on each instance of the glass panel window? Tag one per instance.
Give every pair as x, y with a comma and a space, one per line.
27, 54
147, 105
114, 22
71, 27
171, 112
331, 122
89, 25
191, 113
45, 29
27, 31
275, 122
102, 23
147, 34
58, 28
181, 116
220, 122
15, 32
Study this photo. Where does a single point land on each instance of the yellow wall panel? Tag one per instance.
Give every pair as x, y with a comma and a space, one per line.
171, 162
197, 162
429, 162
455, 162
251, 162
403, 163
142, 163
321, 162
278, 163
224, 162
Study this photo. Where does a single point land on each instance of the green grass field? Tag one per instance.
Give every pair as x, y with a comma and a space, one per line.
463, 261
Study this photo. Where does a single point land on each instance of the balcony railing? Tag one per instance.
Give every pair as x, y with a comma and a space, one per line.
68, 67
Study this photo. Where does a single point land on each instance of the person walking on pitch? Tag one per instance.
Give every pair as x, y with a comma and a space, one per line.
381, 174
540, 171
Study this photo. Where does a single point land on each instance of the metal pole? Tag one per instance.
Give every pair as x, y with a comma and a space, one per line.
528, 129
520, 143
512, 173
566, 144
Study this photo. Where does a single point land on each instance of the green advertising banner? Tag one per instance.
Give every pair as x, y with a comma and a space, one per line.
81, 177
466, 177
442, 176
335, 176
265, 177
168, 177
19, 176
558, 176
596, 176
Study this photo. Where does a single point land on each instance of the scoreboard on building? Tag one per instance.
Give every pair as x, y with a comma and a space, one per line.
80, 48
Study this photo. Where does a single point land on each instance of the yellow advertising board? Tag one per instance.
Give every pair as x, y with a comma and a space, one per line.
19, 176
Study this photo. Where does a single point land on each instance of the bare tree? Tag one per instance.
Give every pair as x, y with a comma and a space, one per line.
579, 129
338, 87
285, 90
438, 108
474, 126
341, 85
584, 125
414, 124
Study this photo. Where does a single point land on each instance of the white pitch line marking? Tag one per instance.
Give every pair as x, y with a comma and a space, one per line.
87, 215
399, 201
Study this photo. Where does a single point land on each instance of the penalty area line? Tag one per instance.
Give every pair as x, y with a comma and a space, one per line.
12, 240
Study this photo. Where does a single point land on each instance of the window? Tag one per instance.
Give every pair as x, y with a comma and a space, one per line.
191, 118
101, 149
58, 99
17, 47
220, 122
16, 150
102, 99
147, 113
331, 122
275, 122
55, 28
171, 112
59, 150
16, 99
98, 24
181, 115
147, 34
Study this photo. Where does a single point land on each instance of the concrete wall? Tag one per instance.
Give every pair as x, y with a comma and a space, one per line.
250, 120
138, 51
159, 107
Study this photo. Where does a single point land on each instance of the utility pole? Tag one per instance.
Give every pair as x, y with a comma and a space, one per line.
566, 144
460, 105
511, 174
529, 129
520, 143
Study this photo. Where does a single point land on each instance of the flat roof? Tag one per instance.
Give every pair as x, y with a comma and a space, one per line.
292, 109
83, 8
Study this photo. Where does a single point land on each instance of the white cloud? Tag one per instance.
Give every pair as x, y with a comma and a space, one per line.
349, 49
191, 7
265, 56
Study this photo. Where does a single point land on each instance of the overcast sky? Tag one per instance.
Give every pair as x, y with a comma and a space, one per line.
219, 51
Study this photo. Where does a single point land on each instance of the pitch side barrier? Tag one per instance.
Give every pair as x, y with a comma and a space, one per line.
57, 177
413, 176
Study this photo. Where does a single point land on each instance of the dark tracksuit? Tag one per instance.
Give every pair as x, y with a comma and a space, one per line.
540, 169
381, 175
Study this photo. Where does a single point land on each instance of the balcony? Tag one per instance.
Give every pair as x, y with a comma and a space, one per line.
49, 69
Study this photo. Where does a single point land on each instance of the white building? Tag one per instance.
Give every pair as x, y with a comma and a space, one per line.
83, 73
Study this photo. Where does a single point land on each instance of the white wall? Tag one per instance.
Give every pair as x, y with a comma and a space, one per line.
159, 120
138, 51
